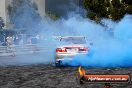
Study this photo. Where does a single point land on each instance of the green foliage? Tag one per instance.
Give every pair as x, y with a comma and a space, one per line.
91, 15
129, 9
129, 2
96, 8
114, 10
114, 13
51, 15
116, 3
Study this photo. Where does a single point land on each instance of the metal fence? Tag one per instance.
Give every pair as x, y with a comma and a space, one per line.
13, 50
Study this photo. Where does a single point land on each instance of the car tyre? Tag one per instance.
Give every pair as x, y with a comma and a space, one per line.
57, 64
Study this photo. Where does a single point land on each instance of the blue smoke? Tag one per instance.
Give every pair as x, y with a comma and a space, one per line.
107, 51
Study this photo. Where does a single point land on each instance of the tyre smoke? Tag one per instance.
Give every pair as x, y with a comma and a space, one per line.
112, 51
112, 41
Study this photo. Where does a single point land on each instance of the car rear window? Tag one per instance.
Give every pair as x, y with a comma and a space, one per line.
73, 40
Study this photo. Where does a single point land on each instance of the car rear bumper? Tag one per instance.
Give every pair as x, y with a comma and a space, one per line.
66, 57
63, 55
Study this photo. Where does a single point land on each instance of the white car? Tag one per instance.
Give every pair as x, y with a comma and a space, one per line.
69, 47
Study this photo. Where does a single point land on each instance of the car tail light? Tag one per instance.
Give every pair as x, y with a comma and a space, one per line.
61, 50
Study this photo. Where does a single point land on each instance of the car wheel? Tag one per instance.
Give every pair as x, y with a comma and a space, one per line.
58, 63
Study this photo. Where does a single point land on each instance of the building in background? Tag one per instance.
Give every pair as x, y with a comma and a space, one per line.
41, 7
62, 7
4, 13
58, 7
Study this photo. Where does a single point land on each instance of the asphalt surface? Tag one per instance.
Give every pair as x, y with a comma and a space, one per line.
34, 71
49, 76
27, 59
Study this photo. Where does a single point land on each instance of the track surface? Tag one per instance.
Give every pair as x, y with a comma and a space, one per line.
48, 76
21, 72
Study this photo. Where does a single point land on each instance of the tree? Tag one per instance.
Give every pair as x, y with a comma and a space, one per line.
91, 15
129, 9
129, 2
51, 15
96, 8
116, 3
114, 9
